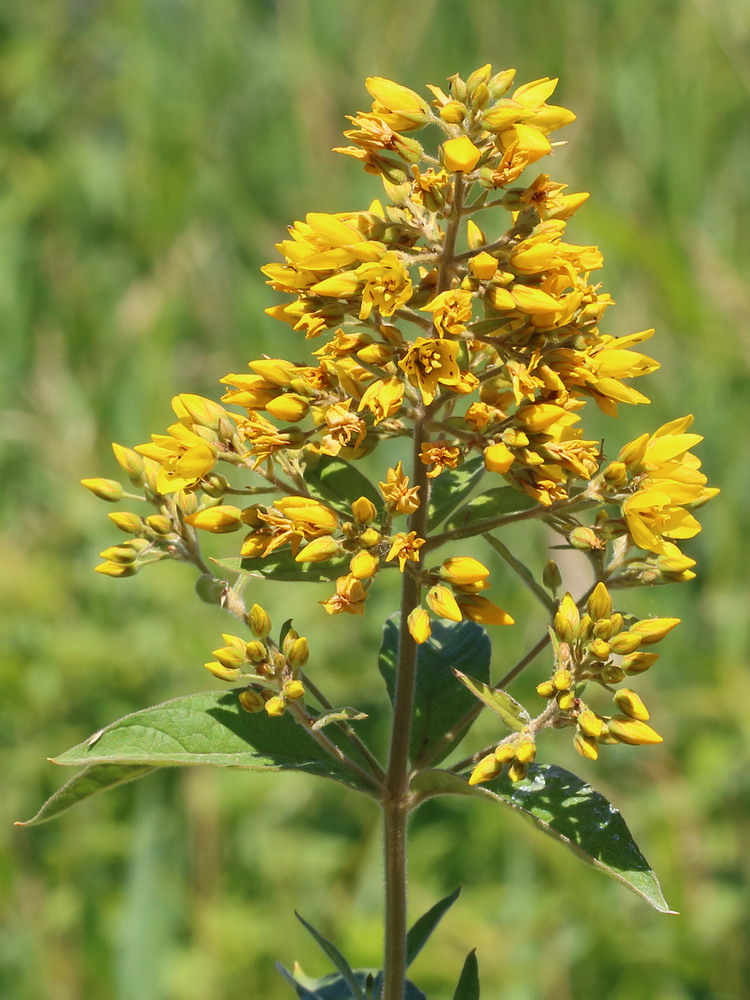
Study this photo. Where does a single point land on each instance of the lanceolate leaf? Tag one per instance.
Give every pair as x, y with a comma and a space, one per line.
468, 982
335, 987
335, 956
496, 502
421, 931
512, 714
201, 729
338, 482
440, 700
451, 487
91, 780
567, 809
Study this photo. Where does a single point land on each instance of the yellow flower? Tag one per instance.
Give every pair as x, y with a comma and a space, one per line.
405, 547
399, 496
440, 455
387, 286
349, 597
383, 398
451, 311
652, 516
429, 363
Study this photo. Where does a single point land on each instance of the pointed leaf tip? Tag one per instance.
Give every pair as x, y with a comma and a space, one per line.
468, 981
423, 928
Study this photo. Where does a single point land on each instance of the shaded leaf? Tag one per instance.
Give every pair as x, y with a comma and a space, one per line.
496, 502
338, 482
338, 715
335, 956
468, 981
422, 929
280, 565
568, 810
451, 487
513, 715
91, 780
440, 699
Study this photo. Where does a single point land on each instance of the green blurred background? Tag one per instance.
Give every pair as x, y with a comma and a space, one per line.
151, 153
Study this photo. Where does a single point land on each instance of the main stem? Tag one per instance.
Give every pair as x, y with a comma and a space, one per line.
397, 799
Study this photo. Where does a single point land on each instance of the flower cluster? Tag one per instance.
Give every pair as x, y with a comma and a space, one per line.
455, 315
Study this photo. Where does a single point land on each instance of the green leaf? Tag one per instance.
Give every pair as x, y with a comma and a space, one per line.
451, 487
422, 929
335, 956
338, 482
513, 715
280, 565
440, 700
524, 572
88, 782
207, 729
468, 981
335, 987
497, 502
568, 810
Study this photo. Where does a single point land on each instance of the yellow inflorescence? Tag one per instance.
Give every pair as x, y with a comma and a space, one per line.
455, 303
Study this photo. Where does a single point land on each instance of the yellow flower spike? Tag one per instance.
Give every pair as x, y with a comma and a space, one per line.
599, 604
632, 732
116, 570
487, 769
223, 672
461, 571
479, 609
590, 724
105, 489
638, 663
442, 603
498, 458
364, 511
299, 652
625, 642
546, 689
251, 701
288, 407
259, 621
131, 524
275, 706
318, 550
525, 751
460, 155
364, 565
586, 746
130, 462
653, 630
630, 704
517, 771
567, 618
219, 520
483, 266
505, 752
419, 626
293, 690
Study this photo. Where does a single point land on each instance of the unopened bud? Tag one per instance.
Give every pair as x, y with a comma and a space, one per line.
654, 629
275, 706
210, 590
625, 642
600, 649
299, 652
487, 768
159, 524
599, 604
293, 690
419, 626
106, 489
116, 570
546, 689
364, 511
318, 550
585, 539
526, 751
630, 703
259, 621
222, 671
364, 565
251, 701
130, 462
551, 576
637, 663
633, 732
586, 746
590, 724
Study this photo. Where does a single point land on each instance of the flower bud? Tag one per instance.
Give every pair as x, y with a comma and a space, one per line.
483, 266
551, 575
251, 701
255, 651
259, 621
590, 724
210, 590
586, 746
629, 703
562, 679
120, 553
230, 656
633, 732
364, 511
517, 771
653, 629
498, 458
546, 689
637, 663
318, 550
479, 609
159, 523
364, 565
526, 751
475, 236
116, 570
275, 706
443, 603
288, 407
453, 112
566, 701
419, 626
370, 537
130, 462
293, 690
625, 642
106, 489
462, 571
487, 768
600, 649
299, 652
567, 618
460, 155
612, 674
505, 752
599, 604
585, 539
218, 520
202, 411
222, 671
